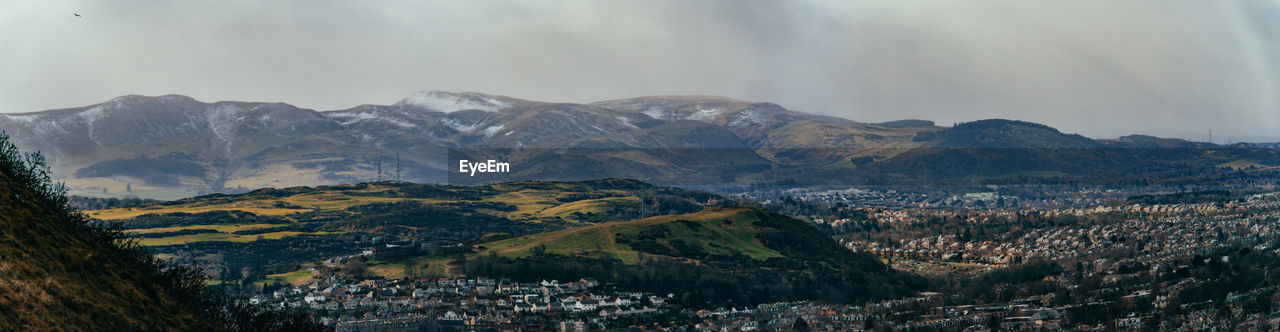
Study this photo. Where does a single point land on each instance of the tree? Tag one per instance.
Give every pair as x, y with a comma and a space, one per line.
355, 268
800, 325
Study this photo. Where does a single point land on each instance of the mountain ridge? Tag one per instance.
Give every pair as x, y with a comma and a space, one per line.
229, 145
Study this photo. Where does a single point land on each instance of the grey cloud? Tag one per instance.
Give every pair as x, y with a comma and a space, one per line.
1101, 68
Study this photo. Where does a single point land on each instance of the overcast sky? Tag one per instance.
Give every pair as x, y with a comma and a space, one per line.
1099, 68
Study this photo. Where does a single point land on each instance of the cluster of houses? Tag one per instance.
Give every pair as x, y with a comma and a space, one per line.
471, 302
1152, 239
929, 312
1156, 233
383, 250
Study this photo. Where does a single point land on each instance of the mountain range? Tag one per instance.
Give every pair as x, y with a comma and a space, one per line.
175, 146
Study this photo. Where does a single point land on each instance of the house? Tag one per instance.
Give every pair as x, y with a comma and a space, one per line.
374, 282
1046, 315
529, 308
574, 326
314, 298
587, 305
421, 293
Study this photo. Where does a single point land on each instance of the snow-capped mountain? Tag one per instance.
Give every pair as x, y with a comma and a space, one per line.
220, 145
448, 102
175, 146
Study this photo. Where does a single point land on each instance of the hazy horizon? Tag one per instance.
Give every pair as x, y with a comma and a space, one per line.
1101, 69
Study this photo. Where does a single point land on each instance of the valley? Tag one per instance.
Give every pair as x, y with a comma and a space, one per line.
319, 210
632, 165
677, 204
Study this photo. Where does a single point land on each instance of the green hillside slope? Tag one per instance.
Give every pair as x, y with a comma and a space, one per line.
719, 255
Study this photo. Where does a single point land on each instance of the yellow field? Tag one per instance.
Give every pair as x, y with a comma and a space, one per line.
532, 204
181, 239
436, 267
126, 213
302, 276
259, 207
219, 228
527, 202
329, 201
584, 206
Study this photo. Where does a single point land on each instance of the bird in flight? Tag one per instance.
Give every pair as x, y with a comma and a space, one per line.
76, 14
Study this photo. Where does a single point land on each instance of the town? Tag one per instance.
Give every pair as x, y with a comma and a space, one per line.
461, 303
1107, 266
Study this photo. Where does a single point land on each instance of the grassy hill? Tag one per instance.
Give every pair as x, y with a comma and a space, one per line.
724, 232
720, 255
622, 232
60, 273
274, 231
399, 208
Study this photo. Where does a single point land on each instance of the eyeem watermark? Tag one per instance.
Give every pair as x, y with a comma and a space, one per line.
488, 166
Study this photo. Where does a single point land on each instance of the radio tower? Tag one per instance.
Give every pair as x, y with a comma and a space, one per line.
379, 164
397, 166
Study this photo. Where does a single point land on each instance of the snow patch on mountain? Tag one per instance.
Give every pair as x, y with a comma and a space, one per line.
21, 118
92, 114
453, 102
459, 126
704, 114
626, 122
745, 118
222, 120
347, 119
358, 117
399, 123
492, 130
